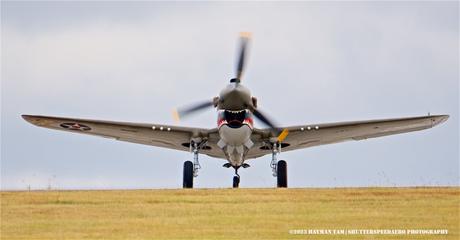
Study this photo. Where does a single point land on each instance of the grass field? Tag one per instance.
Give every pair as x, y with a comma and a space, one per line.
227, 213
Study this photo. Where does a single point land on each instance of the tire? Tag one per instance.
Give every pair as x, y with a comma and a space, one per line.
281, 174
236, 182
188, 175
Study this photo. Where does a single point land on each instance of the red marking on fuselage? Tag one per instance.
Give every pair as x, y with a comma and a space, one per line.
249, 121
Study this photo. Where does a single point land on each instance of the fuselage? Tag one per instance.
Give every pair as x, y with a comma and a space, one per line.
235, 122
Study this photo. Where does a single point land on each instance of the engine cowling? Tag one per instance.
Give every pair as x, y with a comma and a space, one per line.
235, 97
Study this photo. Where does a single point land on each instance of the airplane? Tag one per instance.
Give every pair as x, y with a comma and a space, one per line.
235, 138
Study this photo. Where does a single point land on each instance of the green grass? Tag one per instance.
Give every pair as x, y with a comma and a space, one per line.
227, 213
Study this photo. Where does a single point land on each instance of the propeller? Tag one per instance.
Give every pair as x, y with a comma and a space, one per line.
262, 117
259, 115
240, 67
244, 41
186, 111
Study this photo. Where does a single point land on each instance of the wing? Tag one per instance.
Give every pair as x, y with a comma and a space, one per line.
172, 137
305, 136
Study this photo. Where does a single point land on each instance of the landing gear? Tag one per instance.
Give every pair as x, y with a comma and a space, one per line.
188, 175
236, 179
191, 168
279, 168
236, 182
281, 176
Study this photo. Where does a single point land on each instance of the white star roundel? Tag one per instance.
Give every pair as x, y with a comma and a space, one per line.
75, 126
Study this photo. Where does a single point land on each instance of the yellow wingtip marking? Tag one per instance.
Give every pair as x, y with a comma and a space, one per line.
283, 135
176, 116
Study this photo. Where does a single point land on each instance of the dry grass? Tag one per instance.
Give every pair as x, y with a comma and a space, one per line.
227, 213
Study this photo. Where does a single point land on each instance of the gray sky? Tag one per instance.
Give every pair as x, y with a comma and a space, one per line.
309, 63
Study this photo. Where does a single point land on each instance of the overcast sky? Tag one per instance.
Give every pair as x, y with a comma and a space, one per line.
309, 63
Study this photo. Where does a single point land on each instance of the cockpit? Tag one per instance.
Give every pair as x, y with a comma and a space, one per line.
234, 119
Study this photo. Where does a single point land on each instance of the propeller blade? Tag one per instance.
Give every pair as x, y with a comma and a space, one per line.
281, 135
244, 40
263, 119
183, 112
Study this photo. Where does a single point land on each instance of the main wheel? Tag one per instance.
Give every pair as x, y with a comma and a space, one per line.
236, 181
281, 172
188, 175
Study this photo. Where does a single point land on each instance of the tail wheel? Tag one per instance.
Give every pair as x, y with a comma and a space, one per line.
188, 175
281, 171
236, 181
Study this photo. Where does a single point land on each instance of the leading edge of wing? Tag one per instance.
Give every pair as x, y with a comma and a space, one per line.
40, 120
436, 120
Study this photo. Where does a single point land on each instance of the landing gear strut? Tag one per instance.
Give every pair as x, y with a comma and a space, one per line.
236, 178
191, 168
279, 168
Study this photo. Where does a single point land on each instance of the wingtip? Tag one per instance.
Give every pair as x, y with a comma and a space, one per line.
26, 117
444, 118
440, 119
33, 119
30, 119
